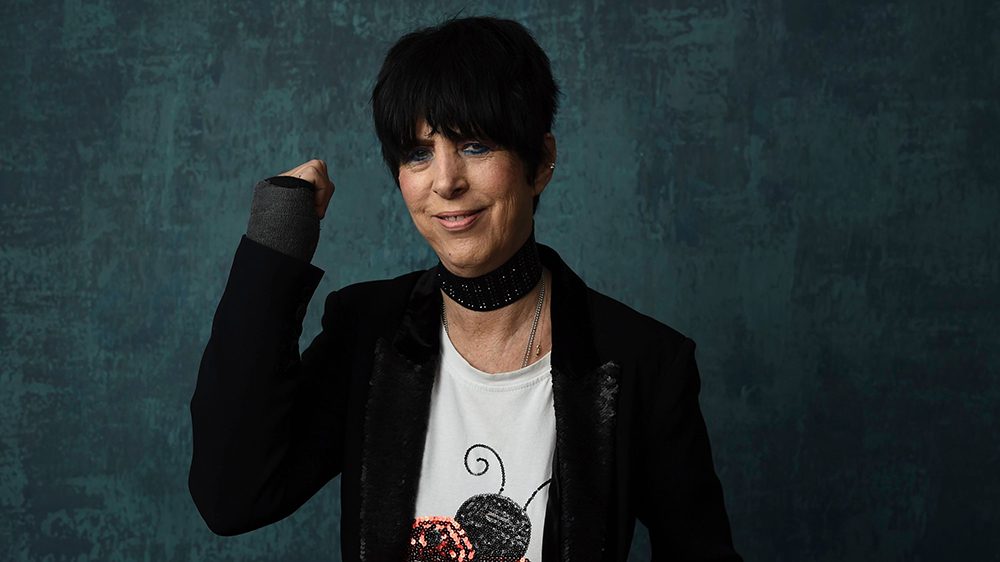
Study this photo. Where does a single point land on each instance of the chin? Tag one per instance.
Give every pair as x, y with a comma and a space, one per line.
466, 264
465, 258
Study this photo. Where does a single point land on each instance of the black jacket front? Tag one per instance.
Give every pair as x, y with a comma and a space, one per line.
271, 427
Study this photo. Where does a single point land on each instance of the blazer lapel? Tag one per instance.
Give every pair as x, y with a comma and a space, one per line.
585, 393
396, 425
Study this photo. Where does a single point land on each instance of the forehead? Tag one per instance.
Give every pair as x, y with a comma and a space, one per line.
423, 129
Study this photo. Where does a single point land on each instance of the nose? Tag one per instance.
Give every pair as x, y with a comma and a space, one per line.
449, 175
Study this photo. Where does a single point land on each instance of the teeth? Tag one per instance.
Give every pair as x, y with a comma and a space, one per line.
455, 219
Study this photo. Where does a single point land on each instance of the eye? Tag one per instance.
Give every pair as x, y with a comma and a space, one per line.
417, 155
475, 148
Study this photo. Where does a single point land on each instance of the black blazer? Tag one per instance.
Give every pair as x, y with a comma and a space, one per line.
271, 427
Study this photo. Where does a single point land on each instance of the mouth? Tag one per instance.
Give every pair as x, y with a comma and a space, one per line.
458, 220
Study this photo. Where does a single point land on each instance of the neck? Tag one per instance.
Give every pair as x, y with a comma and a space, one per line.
500, 323
494, 341
498, 288
490, 317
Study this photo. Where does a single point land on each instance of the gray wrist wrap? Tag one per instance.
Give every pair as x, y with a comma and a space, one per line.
284, 218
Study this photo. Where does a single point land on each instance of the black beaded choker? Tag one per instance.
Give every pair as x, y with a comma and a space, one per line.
498, 288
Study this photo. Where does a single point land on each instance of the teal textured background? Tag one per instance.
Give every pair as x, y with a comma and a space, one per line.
809, 190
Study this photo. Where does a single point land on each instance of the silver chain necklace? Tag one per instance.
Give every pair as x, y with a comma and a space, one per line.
534, 325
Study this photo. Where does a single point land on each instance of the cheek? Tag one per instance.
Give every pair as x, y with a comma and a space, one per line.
410, 193
517, 194
517, 190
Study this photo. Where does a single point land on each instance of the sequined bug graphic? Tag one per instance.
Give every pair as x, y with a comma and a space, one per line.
487, 527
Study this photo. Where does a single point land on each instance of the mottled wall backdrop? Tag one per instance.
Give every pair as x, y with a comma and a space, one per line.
808, 189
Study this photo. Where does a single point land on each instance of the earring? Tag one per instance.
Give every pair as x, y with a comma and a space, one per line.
552, 165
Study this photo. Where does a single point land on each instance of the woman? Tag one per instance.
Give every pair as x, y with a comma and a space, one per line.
490, 408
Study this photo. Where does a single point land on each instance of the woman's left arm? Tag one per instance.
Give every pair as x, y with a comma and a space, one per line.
679, 497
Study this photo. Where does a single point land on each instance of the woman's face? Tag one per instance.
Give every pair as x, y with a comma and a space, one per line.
469, 199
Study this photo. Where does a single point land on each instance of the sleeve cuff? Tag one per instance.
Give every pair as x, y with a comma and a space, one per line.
283, 217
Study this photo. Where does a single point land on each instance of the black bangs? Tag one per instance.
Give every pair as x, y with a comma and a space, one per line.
482, 78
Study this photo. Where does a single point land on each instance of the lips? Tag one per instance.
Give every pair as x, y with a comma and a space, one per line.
458, 220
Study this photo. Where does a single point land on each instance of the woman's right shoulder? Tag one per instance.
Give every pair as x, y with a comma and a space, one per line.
377, 296
400, 284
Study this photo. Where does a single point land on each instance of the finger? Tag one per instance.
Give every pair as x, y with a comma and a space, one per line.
317, 166
323, 197
295, 172
313, 175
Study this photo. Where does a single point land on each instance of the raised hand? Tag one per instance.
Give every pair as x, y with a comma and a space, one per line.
314, 172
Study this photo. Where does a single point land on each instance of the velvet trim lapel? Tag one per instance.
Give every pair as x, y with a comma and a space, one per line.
585, 392
585, 396
396, 419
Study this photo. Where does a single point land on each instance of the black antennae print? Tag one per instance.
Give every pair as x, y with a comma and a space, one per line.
487, 527
538, 489
486, 463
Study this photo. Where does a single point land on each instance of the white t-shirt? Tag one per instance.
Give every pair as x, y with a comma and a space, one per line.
482, 416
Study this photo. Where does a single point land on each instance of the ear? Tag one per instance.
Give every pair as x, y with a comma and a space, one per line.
545, 169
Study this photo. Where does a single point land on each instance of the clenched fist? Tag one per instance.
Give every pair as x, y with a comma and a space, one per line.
314, 172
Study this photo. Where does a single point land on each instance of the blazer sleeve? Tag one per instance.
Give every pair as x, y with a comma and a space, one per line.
680, 498
267, 422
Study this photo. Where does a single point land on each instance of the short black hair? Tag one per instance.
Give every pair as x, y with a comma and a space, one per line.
479, 77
